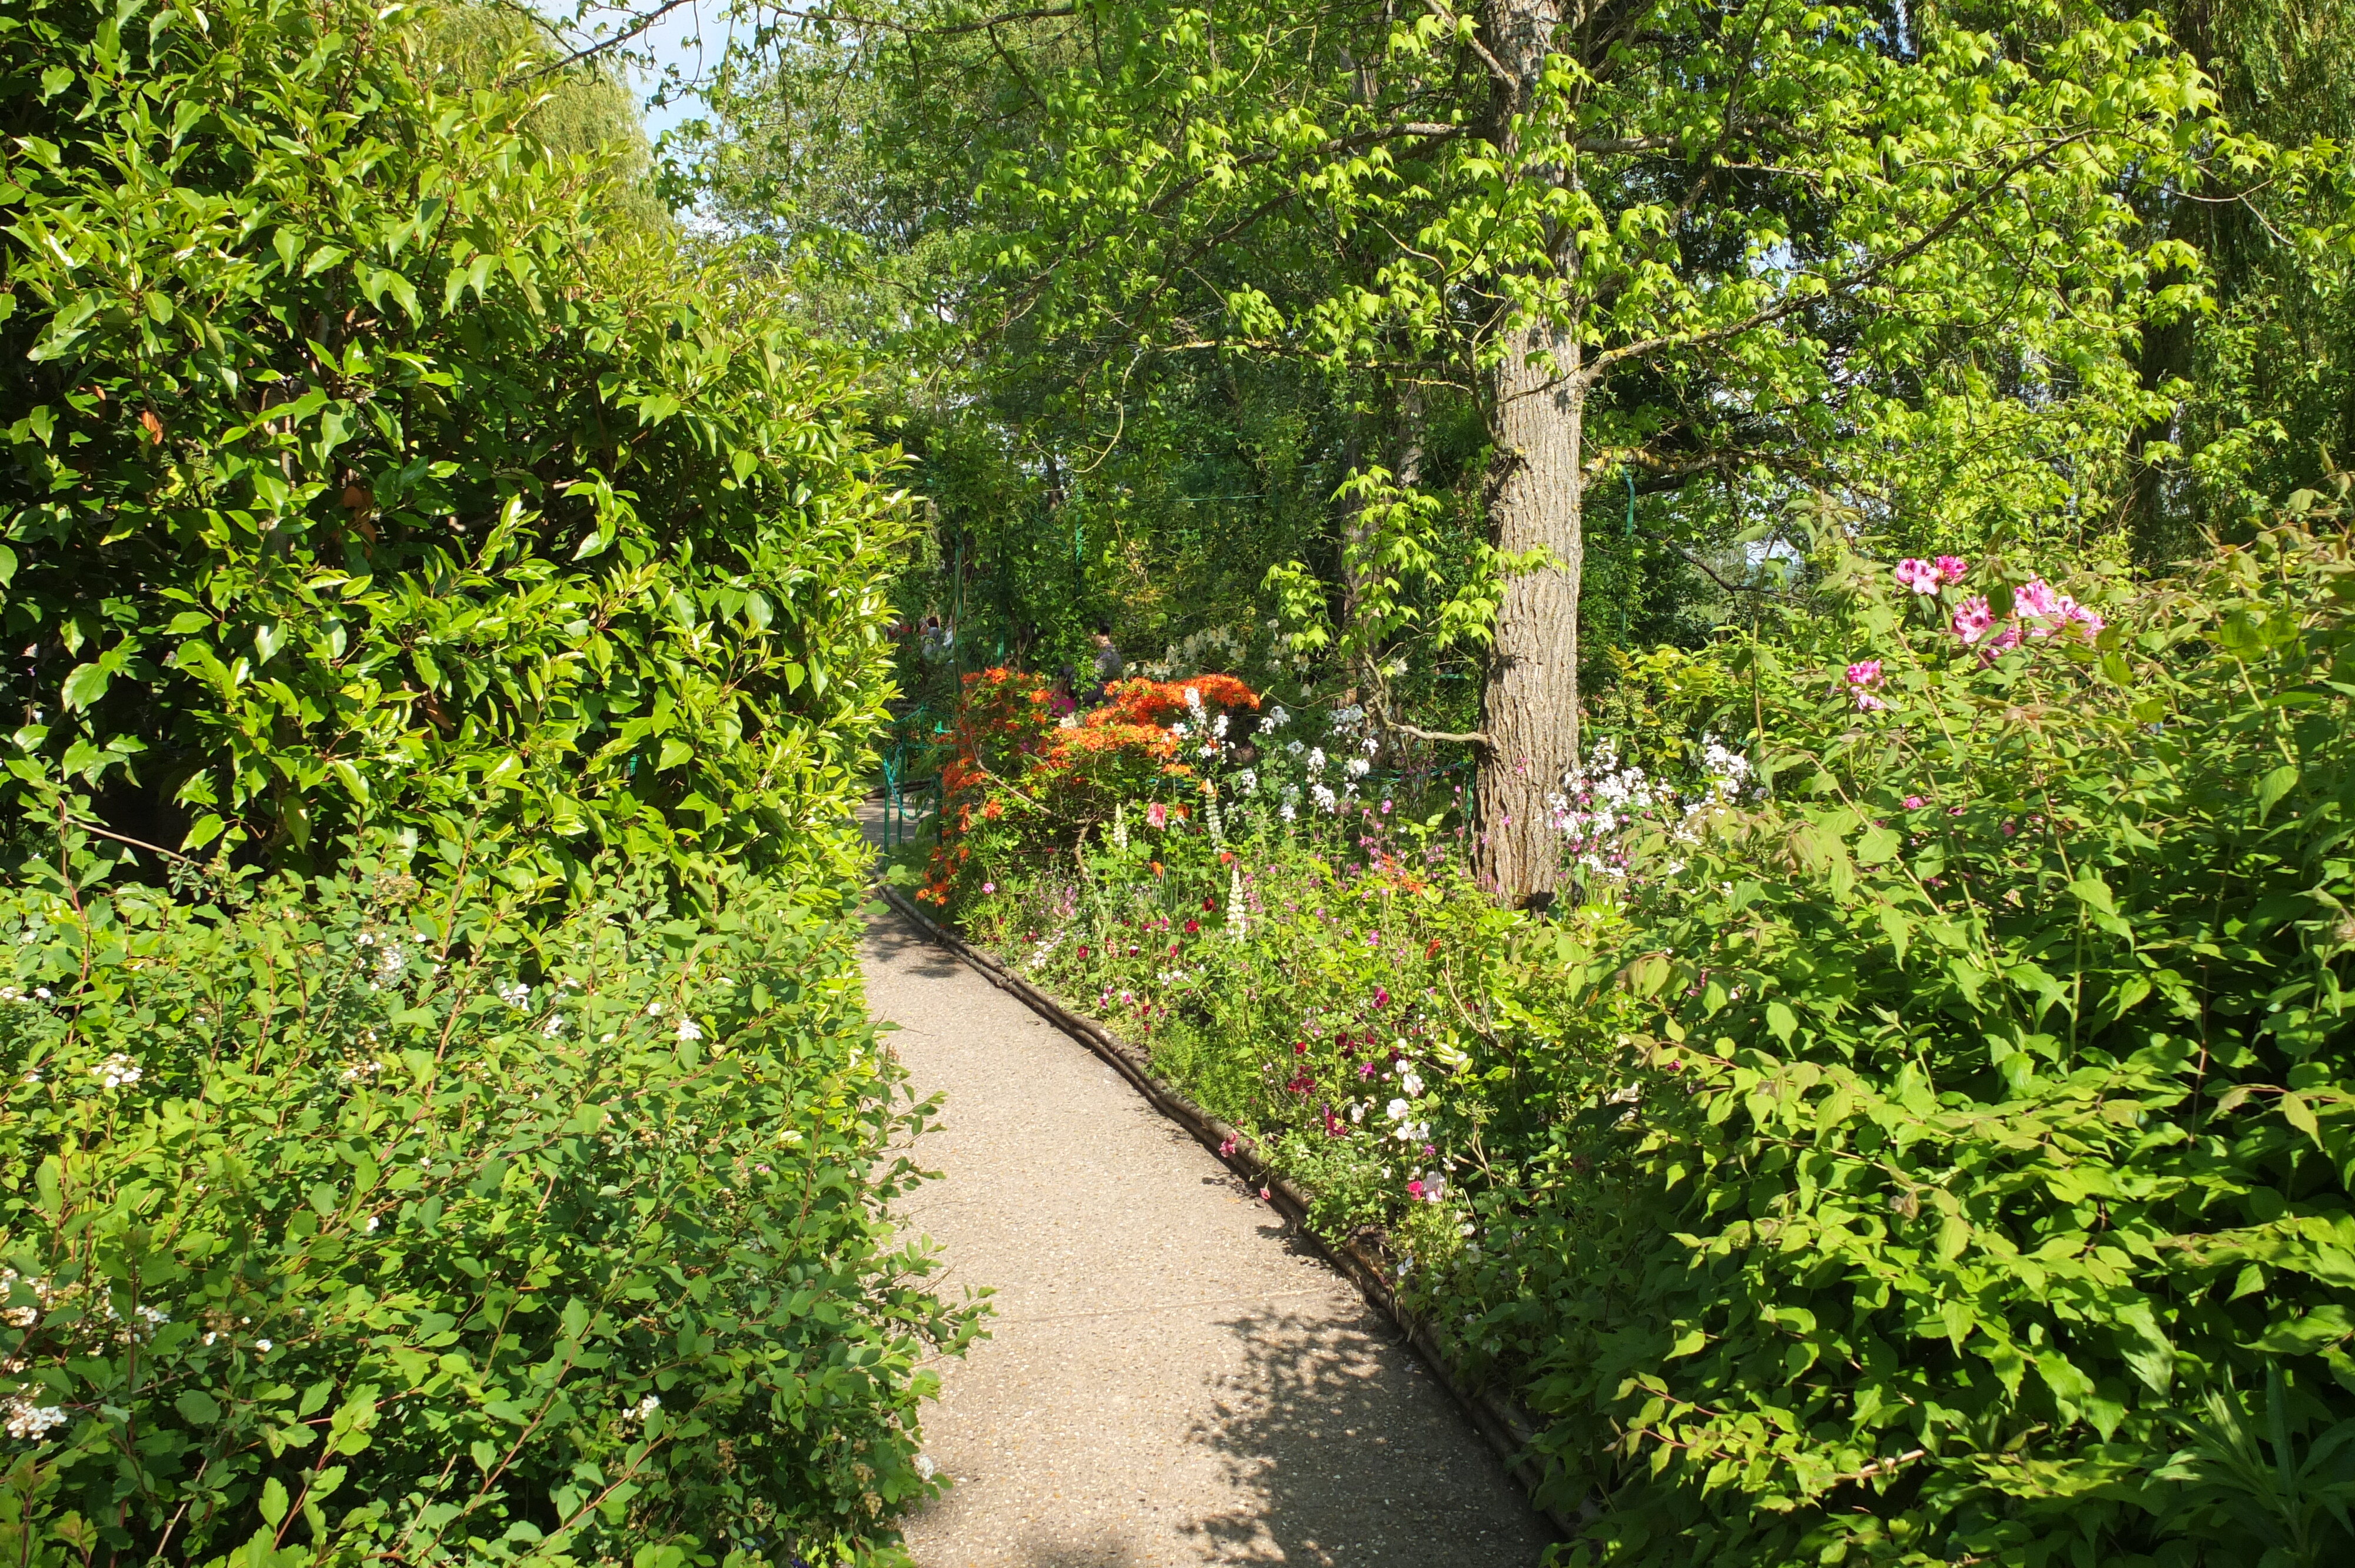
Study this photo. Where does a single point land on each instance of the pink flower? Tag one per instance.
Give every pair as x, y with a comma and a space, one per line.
1156, 815
2035, 597
1951, 568
1227, 1150
1265, 1196
1972, 618
1381, 997
1864, 673
2090, 619
1954, 811
1918, 575
1914, 802
989, 887
1415, 1189
1866, 702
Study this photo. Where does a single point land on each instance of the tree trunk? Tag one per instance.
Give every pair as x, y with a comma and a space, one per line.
1528, 707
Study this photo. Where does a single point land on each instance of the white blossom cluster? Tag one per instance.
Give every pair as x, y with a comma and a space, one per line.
1603, 801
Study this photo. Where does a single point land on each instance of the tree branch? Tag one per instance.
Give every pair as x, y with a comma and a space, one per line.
1774, 312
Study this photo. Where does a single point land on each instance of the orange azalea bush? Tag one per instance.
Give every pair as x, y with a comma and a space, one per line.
1035, 782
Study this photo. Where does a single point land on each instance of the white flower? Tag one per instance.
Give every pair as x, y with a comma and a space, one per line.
372, 1224
1316, 759
643, 1409
27, 1421
654, 1009
1434, 1186
262, 1345
1277, 717
1323, 797
688, 1030
1357, 1112
553, 1027
1247, 780
1410, 1081
1357, 768
1178, 731
1288, 811
1218, 726
1398, 1110
516, 995
116, 1072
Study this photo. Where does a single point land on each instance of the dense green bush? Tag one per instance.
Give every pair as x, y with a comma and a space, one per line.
1953, 1161
360, 466
362, 1221
1947, 1160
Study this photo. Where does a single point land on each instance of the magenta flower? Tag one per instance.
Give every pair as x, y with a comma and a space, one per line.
1951, 568
1415, 1190
2089, 619
989, 887
1972, 618
1227, 1150
1914, 802
1918, 575
2034, 596
1381, 997
1864, 673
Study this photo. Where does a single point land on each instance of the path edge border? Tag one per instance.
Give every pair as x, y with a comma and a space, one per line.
1503, 1426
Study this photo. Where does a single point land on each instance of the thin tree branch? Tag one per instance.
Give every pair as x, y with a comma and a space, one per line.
1789, 303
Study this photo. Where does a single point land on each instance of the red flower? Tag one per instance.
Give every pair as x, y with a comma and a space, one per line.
1300, 1047
1192, 926
1210, 904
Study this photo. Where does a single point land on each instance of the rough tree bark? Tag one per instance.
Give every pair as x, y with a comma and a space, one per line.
1529, 703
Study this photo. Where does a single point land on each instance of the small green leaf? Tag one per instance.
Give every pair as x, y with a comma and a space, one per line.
2272, 787
87, 684
274, 1501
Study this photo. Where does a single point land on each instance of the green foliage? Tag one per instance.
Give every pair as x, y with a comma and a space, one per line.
362, 1219
366, 470
1944, 1162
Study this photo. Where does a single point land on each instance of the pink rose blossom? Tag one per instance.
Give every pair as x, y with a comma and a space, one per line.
1972, 618
1918, 575
1951, 568
1156, 815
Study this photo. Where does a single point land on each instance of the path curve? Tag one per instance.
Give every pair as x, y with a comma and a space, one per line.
1172, 1378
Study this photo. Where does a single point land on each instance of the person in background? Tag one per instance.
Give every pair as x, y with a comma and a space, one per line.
1107, 660
1060, 700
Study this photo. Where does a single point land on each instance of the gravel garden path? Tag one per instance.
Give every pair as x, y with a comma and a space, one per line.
1172, 1378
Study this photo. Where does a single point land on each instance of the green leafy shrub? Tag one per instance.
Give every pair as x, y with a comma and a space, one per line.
361, 1221
1953, 1163
360, 467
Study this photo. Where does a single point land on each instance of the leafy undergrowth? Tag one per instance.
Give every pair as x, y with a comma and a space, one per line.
361, 1220
1945, 1160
